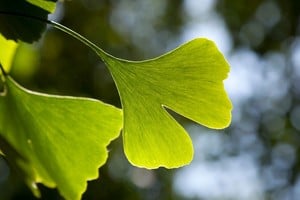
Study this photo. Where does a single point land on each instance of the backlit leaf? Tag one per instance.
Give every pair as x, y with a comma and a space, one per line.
189, 81
57, 141
7, 52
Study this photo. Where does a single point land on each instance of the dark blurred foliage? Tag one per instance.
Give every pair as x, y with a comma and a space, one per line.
267, 30
271, 27
259, 23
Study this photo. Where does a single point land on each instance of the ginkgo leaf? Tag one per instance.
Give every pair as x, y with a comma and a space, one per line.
18, 18
187, 80
57, 141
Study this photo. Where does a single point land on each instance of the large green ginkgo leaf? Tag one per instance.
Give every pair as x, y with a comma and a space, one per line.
189, 81
58, 141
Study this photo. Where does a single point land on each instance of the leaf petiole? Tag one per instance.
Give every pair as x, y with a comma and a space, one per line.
2, 81
65, 29
79, 37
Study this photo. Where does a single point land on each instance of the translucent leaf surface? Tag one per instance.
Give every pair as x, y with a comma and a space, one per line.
15, 22
189, 81
58, 141
7, 52
48, 5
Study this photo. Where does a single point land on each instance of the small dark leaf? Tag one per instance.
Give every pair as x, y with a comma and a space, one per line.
18, 18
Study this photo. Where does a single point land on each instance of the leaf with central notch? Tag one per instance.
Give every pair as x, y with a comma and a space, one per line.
187, 80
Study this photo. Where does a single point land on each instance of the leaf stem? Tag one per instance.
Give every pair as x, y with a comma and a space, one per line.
65, 29
2, 71
2, 83
79, 37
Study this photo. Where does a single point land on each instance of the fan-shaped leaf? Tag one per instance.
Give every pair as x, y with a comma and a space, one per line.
58, 141
189, 81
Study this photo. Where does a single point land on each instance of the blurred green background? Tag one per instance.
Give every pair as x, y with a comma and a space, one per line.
256, 158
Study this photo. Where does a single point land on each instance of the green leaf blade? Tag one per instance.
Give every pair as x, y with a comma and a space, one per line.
48, 5
149, 142
187, 80
61, 141
195, 79
7, 55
